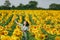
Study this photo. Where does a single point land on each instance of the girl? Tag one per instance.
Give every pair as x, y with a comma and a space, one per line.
24, 28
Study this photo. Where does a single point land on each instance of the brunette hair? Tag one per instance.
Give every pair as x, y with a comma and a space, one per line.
27, 24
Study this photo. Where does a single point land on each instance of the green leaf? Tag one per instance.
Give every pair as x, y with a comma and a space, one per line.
23, 18
49, 36
7, 22
12, 27
48, 22
31, 20
44, 31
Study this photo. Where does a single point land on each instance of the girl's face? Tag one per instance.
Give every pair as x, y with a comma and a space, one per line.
24, 22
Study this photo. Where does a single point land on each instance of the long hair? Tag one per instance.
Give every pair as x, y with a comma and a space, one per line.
27, 24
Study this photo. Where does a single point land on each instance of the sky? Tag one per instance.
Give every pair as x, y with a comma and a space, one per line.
41, 3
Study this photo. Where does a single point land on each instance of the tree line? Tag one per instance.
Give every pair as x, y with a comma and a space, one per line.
32, 5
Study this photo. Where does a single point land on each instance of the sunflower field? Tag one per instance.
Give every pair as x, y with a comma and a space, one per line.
44, 24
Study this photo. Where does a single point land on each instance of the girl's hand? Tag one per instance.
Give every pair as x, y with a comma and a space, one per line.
24, 30
15, 21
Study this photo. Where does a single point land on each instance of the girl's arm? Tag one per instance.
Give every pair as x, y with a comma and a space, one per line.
18, 23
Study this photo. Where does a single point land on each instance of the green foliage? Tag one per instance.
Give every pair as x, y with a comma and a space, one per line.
7, 21
23, 18
31, 20
48, 22
12, 27
49, 36
30, 36
32, 5
54, 6
7, 3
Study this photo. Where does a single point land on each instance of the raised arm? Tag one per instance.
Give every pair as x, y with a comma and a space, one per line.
18, 23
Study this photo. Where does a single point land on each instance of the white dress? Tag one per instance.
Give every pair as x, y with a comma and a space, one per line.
24, 28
